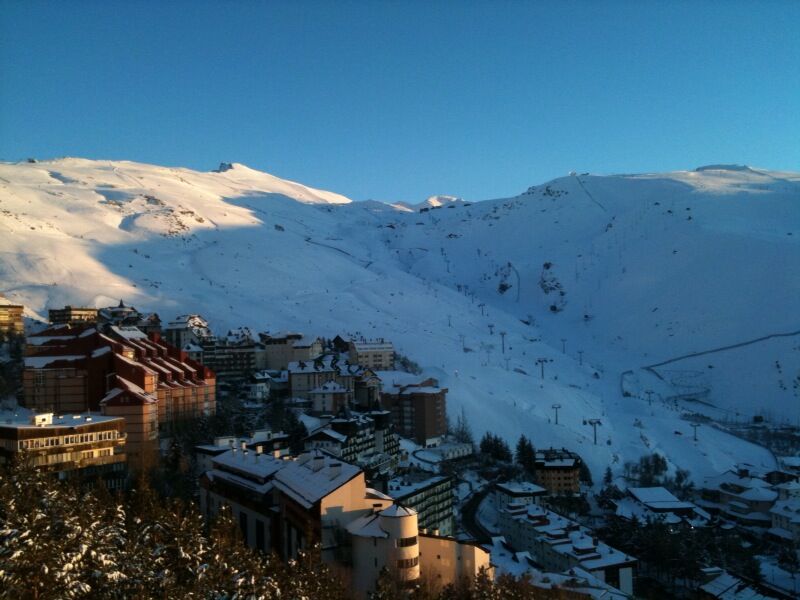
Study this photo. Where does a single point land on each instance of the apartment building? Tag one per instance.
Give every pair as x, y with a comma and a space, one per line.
232, 357
122, 315
366, 389
274, 443
284, 505
518, 492
367, 440
330, 398
418, 406
739, 495
659, 504
72, 315
11, 319
185, 330
122, 372
558, 544
785, 515
558, 470
82, 447
277, 350
372, 354
430, 496
305, 377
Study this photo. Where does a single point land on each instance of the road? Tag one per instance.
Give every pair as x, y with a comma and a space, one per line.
468, 516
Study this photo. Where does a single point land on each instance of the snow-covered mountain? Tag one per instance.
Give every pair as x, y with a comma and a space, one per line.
600, 279
430, 202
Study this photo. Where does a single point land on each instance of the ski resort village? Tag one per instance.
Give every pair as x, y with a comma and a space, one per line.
409, 400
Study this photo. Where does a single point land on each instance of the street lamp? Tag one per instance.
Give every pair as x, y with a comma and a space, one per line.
555, 407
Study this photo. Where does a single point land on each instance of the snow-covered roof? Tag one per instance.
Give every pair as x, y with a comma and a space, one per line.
658, 498
372, 345
728, 587
627, 508
521, 488
251, 464
10, 420
329, 387
789, 509
792, 462
395, 510
129, 333
367, 526
404, 486
334, 435
311, 477
567, 537
41, 362
376, 495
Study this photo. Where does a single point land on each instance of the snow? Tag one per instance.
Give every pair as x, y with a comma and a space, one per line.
643, 284
658, 498
41, 362
406, 485
300, 480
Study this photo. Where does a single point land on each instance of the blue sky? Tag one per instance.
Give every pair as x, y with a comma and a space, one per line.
401, 100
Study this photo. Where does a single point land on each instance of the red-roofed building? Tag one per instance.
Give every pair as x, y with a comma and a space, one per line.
122, 372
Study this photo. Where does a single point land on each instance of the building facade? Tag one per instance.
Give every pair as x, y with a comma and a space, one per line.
11, 317
122, 372
558, 544
372, 354
285, 505
558, 470
277, 350
83, 447
517, 492
419, 409
430, 496
304, 377
72, 315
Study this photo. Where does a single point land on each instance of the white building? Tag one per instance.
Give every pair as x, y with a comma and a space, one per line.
390, 538
659, 504
518, 492
372, 354
558, 544
279, 503
786, 520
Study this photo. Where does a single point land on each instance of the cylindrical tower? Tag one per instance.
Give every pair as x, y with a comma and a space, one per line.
403, 546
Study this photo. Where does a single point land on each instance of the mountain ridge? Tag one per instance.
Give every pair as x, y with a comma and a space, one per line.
599, 276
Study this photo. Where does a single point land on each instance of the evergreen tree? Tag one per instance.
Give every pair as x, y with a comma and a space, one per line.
608, 477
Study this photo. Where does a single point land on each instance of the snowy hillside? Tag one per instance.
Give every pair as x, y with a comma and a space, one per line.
602, 277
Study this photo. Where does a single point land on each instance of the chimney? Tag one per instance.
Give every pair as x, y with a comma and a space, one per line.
317, 462
335, 470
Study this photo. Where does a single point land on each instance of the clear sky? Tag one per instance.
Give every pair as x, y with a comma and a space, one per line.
401, 100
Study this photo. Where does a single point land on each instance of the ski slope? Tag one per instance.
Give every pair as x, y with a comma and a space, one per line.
640, 269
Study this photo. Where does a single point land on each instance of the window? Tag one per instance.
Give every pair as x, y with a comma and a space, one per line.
405, 542
407, 563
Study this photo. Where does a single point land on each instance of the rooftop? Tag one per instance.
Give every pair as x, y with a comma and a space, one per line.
521, 488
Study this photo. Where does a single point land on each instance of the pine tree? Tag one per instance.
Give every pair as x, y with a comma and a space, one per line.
608, 477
